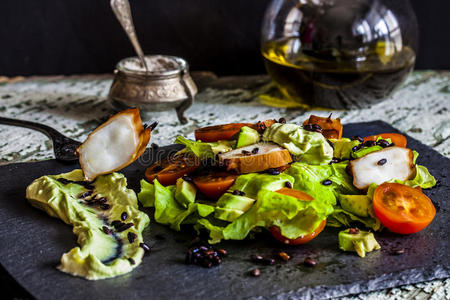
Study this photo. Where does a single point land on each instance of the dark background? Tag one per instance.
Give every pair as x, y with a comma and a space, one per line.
40, 37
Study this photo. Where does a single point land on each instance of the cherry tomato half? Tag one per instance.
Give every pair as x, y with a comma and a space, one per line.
168, 171
402, 209
214, 184
219, 132
275, 230
398, 139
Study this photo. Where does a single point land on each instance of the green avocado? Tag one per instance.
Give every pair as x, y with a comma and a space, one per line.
104, 250
185, 192
231, 201
227, 214
247, 136
356, 204
361, 242
308, 147
229, 207
343, 147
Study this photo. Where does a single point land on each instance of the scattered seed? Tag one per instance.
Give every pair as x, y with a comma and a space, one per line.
131, 261
398, 251
273, 171
354, 149
309, 262
369, 143
145, 247
256, 258
105, 206
124, 227
284, 256
282, 121
316, 126
187, 178
116, 224
383, 143
255, 150
288, 184
357, 138
124, 216
246, 153
327, 182
382, 161
353, 230
256, 272
85, 194
334, 160
106, 230
131, 237
101, 200
222, 252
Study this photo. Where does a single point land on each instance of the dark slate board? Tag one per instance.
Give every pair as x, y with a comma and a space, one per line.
31, 244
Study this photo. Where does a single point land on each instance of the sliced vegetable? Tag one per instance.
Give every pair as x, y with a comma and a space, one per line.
331, 128
398, 139
255, 158
214, 184
169, 170
361, 242
247, 136
402, 209
114, 145
219, 132
276, 233
392, 163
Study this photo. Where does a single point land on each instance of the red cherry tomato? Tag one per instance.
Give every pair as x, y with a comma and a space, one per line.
402, 209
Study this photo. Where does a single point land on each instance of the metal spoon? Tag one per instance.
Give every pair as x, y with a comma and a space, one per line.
121, 9
63, 147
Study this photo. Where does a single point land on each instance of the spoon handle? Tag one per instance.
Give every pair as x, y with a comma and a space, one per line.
121, 9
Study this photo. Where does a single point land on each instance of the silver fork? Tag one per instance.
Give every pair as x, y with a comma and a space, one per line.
63, 147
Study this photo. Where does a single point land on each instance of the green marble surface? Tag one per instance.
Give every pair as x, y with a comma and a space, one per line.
76, 105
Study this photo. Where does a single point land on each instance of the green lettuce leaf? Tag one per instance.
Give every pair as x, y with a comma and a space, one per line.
199, 149
293, 217
343, 147
310, 147
252, 183
167, 210
340, 217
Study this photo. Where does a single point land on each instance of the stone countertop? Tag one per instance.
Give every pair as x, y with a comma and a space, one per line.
75, 105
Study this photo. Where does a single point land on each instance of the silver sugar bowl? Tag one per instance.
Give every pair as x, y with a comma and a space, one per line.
167, 85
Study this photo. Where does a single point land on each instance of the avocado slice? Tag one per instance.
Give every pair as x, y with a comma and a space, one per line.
227, 214
229, 207
343, 147
357, 240
356, 204
185, 192
238, 202
247, 136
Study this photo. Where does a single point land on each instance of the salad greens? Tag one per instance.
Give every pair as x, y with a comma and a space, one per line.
258, 205
309, 146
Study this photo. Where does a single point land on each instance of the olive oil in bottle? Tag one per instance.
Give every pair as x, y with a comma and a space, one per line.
335, 78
